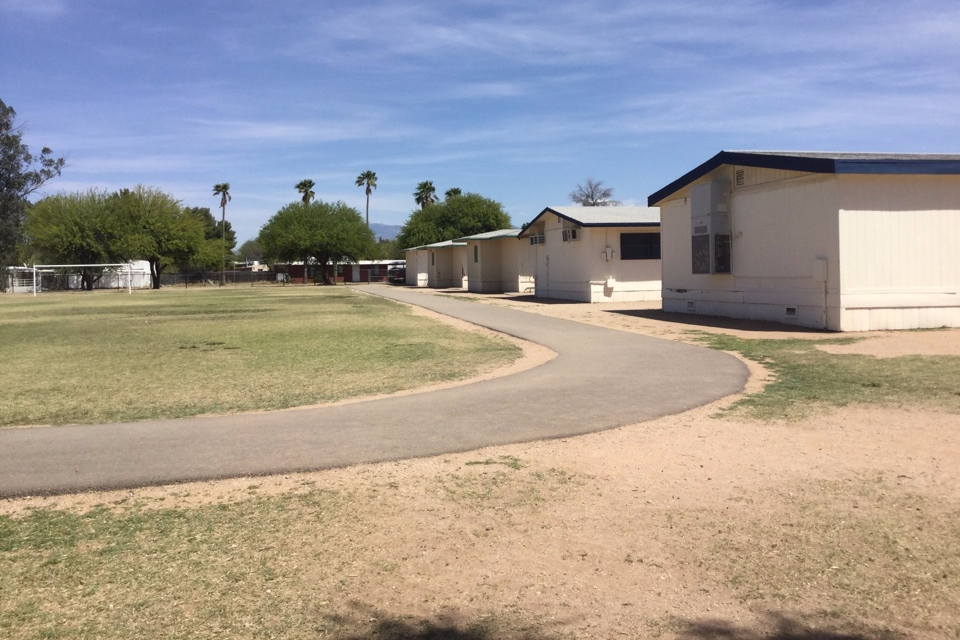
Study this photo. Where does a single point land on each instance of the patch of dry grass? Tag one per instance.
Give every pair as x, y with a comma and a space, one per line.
108, 357
862, 555
857, 549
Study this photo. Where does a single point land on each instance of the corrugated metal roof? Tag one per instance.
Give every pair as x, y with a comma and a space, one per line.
491, 235
604, 216
821, 162
439, 245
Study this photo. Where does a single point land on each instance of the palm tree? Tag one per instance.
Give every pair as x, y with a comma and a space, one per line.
368, 178
223, 190
305, 187
452, 193
425, 195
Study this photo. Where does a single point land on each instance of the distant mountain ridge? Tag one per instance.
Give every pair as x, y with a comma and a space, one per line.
385, 231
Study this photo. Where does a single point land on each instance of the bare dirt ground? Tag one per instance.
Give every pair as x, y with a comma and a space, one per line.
689, 526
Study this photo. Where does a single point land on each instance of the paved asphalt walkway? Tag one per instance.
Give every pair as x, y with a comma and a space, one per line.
601, 379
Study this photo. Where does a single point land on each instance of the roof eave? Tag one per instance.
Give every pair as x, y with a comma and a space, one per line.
552, 211
810, 164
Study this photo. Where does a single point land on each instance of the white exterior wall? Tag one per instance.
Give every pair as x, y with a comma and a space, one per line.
518, 265
885, 244
784, 237
504, 265
900, 264
579, 270
484, 266
447, 267
417, 267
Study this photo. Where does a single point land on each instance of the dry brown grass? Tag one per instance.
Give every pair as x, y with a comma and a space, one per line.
844, 525
109, 357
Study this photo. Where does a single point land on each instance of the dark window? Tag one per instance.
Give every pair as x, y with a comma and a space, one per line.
722, 253
639, 246
701, 253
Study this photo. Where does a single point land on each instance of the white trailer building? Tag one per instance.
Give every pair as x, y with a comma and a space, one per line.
499, 262
841, 241
596, 254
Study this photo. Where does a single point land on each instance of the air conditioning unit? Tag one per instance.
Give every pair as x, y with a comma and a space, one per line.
536, 239
569, 235
710, 227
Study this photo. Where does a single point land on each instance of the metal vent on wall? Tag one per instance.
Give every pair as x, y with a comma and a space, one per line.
739, 178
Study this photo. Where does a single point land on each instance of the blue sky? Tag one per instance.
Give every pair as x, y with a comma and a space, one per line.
517, 101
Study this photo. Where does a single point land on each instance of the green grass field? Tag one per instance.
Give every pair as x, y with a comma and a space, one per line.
808, 378
107, 356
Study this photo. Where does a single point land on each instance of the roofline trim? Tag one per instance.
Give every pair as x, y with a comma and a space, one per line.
552, 211
891, 165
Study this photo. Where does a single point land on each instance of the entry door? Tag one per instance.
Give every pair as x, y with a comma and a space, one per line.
542, 283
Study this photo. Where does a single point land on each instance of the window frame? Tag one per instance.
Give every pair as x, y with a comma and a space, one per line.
649, 249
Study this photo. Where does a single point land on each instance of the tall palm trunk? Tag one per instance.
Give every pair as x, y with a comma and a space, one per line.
223, 245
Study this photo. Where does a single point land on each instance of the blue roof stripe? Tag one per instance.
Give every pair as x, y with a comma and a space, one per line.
814, 162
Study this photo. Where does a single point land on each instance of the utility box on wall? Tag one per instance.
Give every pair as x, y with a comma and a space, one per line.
710, 227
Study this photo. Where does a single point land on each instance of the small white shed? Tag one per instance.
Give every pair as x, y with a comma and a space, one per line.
439, 265
418, 266
841, 241
596, 254
499, 262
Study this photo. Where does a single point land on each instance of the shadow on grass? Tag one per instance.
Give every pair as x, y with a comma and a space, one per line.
782, 627
369, 624
366, 623
716, 322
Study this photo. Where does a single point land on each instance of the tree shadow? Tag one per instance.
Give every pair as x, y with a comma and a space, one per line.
366, 623
782, 627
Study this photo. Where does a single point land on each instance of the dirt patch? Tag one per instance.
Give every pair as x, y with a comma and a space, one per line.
687, 526
892, 344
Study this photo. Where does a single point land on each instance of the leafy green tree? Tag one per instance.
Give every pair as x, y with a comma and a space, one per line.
369, 180
386, 250
250, 251
318, 231
426, 194
456, 217
75, 228
157, 229
305, 187
220, 239
21, 174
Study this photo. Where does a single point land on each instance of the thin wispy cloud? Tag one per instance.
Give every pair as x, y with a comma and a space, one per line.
35, 8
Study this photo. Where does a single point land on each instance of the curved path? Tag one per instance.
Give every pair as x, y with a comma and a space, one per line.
601, 379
